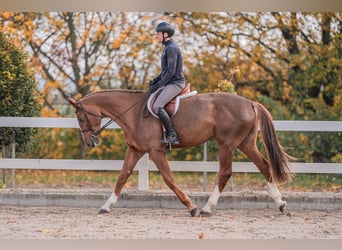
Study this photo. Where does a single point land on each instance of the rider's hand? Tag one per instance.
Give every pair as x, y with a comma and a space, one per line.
152, 82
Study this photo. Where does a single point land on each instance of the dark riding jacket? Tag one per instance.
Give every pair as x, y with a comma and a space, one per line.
172, 66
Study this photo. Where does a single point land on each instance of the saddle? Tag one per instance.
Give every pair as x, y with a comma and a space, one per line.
173, 106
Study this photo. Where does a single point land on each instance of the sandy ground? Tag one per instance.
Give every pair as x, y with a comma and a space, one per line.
19, 222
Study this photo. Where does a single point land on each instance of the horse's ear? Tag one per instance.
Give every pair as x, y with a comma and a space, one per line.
73, 102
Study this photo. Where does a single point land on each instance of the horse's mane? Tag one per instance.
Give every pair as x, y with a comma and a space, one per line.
114, 90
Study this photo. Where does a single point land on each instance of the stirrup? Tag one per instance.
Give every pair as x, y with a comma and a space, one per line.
168, 145
172, 140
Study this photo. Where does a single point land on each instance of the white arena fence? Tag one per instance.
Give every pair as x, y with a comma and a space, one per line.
145, 165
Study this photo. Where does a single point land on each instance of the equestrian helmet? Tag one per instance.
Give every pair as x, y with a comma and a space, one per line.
165, 27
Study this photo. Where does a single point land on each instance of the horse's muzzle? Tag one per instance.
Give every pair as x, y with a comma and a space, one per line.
93, 141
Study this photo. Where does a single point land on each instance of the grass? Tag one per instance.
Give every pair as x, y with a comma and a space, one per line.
187, 181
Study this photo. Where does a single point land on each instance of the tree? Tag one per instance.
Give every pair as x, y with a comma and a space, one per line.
18, 93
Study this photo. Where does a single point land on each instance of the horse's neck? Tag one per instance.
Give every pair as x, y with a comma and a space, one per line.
118, 105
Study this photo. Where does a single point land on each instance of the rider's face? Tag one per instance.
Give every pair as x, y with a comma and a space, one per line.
160, 36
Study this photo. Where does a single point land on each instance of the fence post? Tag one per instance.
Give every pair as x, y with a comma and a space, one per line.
205, 158
4, 155
13, 170
231, 183
143, 173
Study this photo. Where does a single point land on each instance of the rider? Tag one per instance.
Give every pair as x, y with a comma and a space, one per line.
171, 78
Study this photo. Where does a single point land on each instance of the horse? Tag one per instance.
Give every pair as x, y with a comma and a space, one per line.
232, 120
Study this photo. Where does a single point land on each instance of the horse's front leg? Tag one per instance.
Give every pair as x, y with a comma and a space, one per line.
131, 158
159, 158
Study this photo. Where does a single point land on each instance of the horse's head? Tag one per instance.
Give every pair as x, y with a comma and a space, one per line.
89, 121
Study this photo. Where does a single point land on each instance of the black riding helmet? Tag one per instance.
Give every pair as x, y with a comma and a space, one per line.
165, 27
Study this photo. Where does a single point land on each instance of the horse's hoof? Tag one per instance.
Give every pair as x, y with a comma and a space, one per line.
283, 210
282, 207
195, 212
102, 211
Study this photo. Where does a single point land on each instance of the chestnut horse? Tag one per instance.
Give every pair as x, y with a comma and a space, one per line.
232, 120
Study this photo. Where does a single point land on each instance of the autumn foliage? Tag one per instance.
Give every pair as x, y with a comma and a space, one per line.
290, 62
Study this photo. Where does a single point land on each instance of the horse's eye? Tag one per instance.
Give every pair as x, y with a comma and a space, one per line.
80, 119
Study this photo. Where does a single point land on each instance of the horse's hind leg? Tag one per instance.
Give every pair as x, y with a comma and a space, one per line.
225, 172
262, 164
131, 158
159, 158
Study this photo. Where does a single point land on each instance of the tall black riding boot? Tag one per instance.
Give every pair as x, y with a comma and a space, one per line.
171, 135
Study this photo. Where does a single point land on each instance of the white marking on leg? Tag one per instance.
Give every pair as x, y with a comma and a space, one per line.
110, 202
275, 194
212, 201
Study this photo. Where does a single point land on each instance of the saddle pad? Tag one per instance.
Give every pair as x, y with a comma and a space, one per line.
173, 105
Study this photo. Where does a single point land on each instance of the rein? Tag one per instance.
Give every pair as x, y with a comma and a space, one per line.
97, 132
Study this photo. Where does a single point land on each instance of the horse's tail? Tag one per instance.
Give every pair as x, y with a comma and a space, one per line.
279, 159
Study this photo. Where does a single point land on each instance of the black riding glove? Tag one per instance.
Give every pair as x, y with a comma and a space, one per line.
152, 88
154, 81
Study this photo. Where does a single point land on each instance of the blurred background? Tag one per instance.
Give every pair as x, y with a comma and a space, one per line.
289, 61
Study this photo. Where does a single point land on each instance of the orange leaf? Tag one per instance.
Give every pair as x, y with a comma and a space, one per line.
46, 231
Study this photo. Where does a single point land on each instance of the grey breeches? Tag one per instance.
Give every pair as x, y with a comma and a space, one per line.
167, 94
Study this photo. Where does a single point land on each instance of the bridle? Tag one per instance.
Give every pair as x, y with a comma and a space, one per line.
94, 132
89, 127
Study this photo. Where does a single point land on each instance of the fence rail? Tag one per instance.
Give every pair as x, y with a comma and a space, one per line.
44, 122
145, 165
